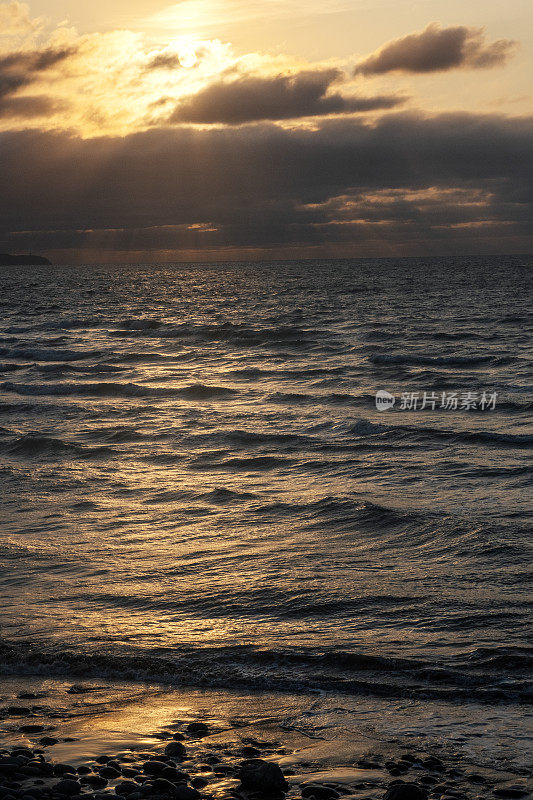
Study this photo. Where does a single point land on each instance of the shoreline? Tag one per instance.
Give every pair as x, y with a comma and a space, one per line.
49, 753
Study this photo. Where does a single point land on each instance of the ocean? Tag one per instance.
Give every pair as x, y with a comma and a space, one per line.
199, 490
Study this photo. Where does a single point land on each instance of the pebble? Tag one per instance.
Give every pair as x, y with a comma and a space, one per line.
319, 792
173, 774
154, 767
126, 787
156, 776
175, 749
109, 772
182, 792
433, 763
163, 786
60, 769
224, 769
250, 752
9, 765
96, 781
68, 787
405, 791
262, 776
198, 782
197, 728
31, 770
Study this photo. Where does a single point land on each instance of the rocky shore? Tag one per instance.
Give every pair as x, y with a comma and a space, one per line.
196, 762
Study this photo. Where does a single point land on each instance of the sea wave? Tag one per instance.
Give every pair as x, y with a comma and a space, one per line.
419, 359
238, 334
140, 324
291, 669
117, 434
364, 427
243, 439
47, 354
197, 391
247, 463
330, 511
31, 445
10, 367
57, 369
59, 324
16, 408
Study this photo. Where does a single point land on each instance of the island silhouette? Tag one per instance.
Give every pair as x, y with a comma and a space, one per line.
10, 260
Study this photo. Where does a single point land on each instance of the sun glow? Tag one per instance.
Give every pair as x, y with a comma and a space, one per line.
119, 81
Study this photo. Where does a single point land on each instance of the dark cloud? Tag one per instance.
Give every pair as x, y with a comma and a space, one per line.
436, 49
9, 84
29, 106
252, 98
164, 61
399, 184
30, 62
21, 69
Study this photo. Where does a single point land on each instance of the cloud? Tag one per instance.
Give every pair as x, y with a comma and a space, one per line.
29, 106
33, 61
118, 82
345, 183
18, 71
164, 61
98, 77
253, 98
437, 49
16, 25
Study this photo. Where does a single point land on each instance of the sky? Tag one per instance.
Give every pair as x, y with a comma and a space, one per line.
140, 130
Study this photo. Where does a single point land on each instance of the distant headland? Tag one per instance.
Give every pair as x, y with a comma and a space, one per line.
9, 260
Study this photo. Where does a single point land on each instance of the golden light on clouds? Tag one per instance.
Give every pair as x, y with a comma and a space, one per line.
171, 69
120, 81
